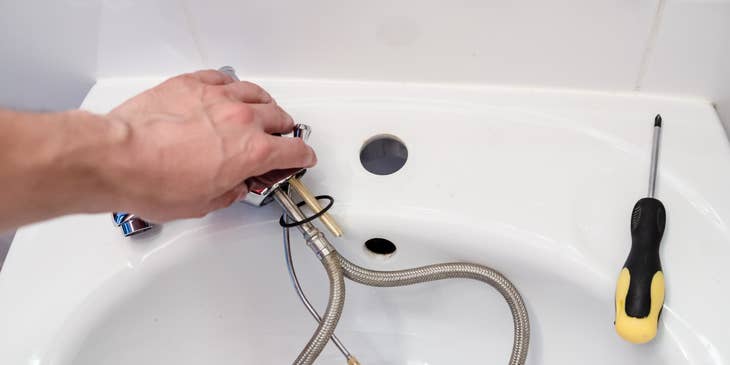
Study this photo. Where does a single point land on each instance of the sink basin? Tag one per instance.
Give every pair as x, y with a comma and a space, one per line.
537, 184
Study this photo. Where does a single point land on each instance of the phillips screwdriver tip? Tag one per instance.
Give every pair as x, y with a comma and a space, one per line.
658, 121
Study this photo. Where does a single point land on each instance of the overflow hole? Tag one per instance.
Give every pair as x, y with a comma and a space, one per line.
383, 154
380, 246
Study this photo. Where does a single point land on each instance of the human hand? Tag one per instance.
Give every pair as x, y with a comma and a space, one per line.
190, 142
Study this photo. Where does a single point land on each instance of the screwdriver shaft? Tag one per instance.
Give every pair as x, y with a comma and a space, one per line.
654, 154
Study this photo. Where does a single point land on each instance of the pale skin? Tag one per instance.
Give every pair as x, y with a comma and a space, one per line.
181, 149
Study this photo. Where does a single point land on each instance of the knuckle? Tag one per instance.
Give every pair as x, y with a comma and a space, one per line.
184, 78
305, 154
261, 150
251, 85
172, 81
216, 91
212, 95
257, 90
184, 82
240, 112
245, 112
207, 71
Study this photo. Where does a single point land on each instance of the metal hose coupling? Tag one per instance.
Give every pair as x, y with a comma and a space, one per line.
315, 239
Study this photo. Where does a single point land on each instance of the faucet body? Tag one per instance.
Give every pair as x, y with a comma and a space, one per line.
262, 187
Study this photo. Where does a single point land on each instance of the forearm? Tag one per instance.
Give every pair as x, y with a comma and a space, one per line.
51, 164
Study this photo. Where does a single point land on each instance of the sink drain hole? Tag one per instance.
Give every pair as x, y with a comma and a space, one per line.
380, 246
383, 154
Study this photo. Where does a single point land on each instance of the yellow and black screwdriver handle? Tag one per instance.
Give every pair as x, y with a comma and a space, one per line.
640, 287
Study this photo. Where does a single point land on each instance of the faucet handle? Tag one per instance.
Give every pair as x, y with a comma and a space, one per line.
302, 131
230, 71
260, 188
130, 223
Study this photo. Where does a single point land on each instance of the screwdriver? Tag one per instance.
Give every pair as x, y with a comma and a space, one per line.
640, 286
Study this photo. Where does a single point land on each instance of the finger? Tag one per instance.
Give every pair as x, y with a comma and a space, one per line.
272, 118
212, 77
229, 197
289, 153
248, 92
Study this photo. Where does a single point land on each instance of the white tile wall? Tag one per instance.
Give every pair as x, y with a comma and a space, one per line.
47, 53
141, 38
567, 43
691, 54
53, 50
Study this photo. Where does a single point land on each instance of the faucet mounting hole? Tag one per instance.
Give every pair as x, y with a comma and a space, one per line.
383, 154
380, 246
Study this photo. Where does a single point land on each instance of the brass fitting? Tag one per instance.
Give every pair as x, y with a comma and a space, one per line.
313, 204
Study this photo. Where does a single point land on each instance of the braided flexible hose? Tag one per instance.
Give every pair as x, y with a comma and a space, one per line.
336, 266
449, 271
331, 315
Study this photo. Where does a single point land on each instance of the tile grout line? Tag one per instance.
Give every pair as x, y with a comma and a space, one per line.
650, 42
194, 33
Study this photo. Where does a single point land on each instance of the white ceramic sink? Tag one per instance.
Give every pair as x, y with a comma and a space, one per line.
537, 184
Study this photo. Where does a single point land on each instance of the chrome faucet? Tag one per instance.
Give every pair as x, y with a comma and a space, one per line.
260, 190
130, 224
262, 187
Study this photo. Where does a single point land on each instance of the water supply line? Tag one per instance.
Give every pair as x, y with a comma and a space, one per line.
390, 279
351, 359
329, 259
455, 270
